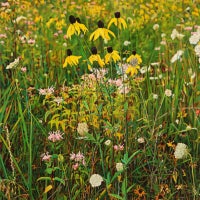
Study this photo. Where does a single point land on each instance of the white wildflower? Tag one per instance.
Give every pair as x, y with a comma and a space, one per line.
96, 180
18, 19
197, 50
155, 27
168, 93
119, 166
181, 151
13, 64
107, 142
194, 39
82, 128
141, 140
126, 43
177, 56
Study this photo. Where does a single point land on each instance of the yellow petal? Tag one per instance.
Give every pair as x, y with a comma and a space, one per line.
48, 188
122, 21
113, 20
70, 31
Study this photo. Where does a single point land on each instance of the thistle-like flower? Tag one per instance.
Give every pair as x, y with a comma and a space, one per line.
101, 32
118, 21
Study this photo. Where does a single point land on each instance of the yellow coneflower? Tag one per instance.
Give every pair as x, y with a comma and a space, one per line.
95, 57
134, 58
134, 61
70, 59
101, 32
75, 27
112, 55
118, 21
139, 192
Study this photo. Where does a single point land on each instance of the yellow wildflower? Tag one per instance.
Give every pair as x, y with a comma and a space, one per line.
70, 59
101, 32
112, 55
75, 27
95, 57
134, 61
118, 21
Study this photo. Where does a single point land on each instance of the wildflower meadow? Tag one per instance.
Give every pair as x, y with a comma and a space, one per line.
100, 100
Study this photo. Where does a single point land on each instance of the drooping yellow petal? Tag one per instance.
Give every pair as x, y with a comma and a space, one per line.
97, 34
107, 58
70, 31
110, 32
77, 28
113, 20
83, 28
122, 21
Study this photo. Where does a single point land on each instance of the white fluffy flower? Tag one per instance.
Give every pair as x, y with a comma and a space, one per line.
107, 142
141, 140
82, 128
18, 19
181, 151
126, 43
13, 64
96, 180
194, 39
177, 56
168, 93
119, 166
155, 27
197, 50
176, 34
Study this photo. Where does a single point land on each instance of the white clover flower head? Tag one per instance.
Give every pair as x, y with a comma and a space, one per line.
107, 142
156, 27
140, 140
96, 180
181, 151
119, 166
126, 43
155, 96
82, 128
168, 93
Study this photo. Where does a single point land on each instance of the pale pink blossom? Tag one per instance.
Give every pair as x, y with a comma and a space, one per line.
55, 136
75, 166
45, 156
3, 36
23, 69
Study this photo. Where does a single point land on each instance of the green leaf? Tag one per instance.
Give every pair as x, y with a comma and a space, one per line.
49, 170
116, 196
59, 180
44, 179
125, 106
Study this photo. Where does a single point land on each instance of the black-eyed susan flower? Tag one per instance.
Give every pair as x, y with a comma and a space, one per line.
112, 55
134, 60
75, 27
101, 32
70, 59
95, 57
118, 21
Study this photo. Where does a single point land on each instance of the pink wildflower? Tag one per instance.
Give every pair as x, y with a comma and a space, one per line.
55, 136
46, 156
75, 166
